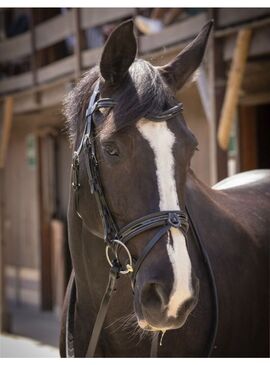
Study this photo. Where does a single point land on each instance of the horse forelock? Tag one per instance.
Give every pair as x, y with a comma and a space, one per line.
75, 103
143, 91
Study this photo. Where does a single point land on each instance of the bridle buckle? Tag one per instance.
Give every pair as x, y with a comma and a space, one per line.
174, 220
75, 171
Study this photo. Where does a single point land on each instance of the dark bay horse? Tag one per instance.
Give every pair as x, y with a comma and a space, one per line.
143, 157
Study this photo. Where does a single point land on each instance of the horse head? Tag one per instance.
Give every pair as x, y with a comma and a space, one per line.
143, 156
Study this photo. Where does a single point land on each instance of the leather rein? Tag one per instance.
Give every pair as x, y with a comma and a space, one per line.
116, 239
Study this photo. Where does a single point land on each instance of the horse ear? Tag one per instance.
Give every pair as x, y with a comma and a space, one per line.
178, 71
119, 53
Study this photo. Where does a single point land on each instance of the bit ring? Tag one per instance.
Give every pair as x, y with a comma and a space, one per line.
129, 267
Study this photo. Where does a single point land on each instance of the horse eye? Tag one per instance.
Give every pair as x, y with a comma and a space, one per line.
111, 150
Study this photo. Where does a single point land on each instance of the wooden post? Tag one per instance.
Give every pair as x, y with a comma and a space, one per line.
2, 25
248, 147
233, 87
5, 136
77, 50
44, 173
58, 263
6, 128
33, 53
206, 96
47, 210
203, 89
217, 83
4, 314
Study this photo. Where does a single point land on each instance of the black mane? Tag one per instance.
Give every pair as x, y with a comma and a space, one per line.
143, 91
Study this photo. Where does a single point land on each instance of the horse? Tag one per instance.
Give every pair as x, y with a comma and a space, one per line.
142, 147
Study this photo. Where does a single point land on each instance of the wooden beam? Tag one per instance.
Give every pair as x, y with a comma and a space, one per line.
255, 98
6, 128
56, 69
54, 30
2, 25
247, 138
210, 59
50, 72
161, 57
173, 34
203, 88
234, 29
233, 86
5, 135
15, 47
46, 207
16, 82
92, 17
256, 78
52, 89
5, 316
60, 27
57, 29
33, 52
91, 57
217, 83
33, 47
229, 16
259, 46
78, 46
58, 263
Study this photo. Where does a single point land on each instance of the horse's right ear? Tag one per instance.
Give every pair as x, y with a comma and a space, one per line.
179, 70
119, 53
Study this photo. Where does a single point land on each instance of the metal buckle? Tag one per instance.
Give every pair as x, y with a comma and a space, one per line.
87, 141
174, 220
129, 266
75, 171
90, 110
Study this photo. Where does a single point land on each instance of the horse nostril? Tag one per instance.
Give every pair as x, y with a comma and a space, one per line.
187, 304
153, 295
186, 308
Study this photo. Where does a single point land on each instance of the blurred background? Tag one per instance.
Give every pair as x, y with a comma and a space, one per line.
43, 52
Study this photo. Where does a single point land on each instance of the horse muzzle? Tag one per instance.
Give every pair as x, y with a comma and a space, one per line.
152, 307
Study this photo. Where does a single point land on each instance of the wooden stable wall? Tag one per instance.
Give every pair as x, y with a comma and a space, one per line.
31, 276
254, 137
21, 223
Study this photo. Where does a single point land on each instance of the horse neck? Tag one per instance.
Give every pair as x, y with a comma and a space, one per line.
198, 194
201, 200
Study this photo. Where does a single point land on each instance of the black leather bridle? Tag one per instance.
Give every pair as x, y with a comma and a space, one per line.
115, 238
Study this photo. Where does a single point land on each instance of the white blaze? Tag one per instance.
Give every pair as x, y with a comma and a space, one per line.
161, 140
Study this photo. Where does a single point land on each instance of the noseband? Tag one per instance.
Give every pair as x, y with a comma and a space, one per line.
116, 239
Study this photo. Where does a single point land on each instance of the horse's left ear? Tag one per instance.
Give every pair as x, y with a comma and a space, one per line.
119, 53
178, 71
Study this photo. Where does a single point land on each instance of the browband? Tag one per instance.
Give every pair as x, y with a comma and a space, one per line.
168, 114
110, 103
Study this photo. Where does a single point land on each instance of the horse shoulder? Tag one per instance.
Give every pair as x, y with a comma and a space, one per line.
247, 197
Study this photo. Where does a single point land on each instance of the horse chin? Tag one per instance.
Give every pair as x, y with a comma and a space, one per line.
143, 324
147, 327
